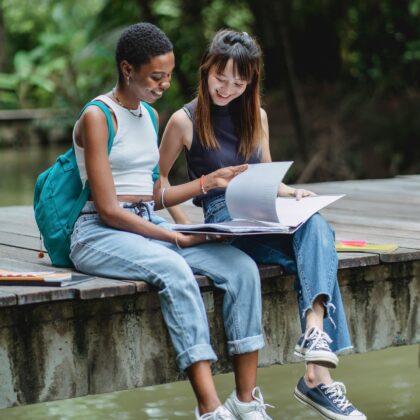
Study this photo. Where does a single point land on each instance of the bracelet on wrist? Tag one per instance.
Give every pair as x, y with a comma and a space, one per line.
176, 241
162, 201
202, 184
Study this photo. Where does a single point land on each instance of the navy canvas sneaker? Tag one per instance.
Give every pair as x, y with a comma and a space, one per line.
314, 346
329, 400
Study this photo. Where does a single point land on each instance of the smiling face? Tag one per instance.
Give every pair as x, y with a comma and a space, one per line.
225, 85
150, 81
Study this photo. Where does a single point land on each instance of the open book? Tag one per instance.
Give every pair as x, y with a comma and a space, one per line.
42, 278
251, 198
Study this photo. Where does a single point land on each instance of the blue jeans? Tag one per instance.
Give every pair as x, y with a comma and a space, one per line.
100, 250
309, 253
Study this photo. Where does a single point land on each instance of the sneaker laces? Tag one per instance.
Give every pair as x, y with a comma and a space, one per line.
260, 405
337, 392
319, 338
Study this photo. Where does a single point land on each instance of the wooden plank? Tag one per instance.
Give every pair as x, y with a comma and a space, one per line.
353, 259
412, 178
398, 184
19, 241
141, 286
372, 231
15, 264
26, 295
392, 191
400, 255
400, 227
346, 232
392, 210
103, 288
7, 298
32, 294
25, 255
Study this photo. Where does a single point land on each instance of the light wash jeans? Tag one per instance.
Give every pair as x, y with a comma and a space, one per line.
100, 250
309, 253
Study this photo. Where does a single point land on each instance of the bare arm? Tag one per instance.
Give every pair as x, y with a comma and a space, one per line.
178, 133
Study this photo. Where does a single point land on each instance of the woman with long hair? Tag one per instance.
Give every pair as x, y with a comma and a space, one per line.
225, 125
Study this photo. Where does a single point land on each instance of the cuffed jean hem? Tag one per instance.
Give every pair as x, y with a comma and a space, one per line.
327, 305
246, 345
346, 350
195, 354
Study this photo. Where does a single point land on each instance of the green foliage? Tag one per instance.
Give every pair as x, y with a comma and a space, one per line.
65, 66
380, 43
60, 54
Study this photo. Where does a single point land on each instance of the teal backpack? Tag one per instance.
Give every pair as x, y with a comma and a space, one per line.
59, 196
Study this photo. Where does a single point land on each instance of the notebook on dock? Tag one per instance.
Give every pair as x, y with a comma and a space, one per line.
363, 246
42, 278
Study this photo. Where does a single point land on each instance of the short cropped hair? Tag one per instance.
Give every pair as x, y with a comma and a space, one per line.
139, 43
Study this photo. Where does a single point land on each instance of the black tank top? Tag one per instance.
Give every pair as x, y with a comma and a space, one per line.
201, 161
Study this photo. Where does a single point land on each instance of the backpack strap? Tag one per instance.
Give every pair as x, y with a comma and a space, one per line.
155, 124
106, 111
84, 195
152, 115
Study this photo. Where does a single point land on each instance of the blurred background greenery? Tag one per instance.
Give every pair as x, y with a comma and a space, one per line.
341, 78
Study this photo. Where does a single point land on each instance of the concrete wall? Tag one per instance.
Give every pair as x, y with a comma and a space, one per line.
58, 350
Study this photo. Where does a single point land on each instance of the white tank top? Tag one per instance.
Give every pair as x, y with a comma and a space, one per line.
134, 153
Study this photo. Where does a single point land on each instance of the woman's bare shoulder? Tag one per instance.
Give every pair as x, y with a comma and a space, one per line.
263, 114
180, 118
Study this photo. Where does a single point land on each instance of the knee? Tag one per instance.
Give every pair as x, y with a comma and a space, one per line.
178, 274
247, 274
318, 226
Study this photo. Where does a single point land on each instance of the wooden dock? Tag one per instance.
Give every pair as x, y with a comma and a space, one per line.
106, 334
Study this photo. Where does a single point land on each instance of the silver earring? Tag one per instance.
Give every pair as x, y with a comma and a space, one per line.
128, 81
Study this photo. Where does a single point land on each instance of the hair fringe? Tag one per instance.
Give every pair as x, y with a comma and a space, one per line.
248, 119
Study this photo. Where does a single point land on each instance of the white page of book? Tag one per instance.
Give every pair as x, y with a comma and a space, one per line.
252, 194
292, 212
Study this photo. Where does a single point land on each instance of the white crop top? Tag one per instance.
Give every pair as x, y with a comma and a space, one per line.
134, 153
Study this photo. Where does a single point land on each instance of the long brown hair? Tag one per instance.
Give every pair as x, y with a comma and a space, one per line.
246, 55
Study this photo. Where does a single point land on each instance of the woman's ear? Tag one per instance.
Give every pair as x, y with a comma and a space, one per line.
126, 69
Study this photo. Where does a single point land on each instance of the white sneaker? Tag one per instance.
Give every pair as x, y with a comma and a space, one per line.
254, 410
221, 413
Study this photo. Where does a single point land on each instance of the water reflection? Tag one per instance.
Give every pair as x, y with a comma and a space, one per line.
19, 168
384, 384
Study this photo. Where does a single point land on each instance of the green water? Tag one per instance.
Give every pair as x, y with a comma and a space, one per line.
384, 384
18, 172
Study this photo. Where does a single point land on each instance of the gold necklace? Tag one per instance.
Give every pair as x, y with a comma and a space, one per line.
136, 112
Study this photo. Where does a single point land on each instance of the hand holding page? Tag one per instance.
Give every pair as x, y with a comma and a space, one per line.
251, 198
